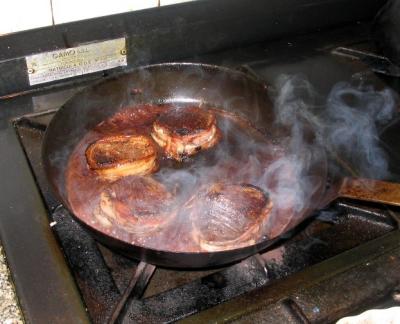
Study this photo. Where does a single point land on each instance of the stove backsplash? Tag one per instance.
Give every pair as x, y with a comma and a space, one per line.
167, 33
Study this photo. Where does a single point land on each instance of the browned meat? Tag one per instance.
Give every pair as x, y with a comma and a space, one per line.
139, 205
184, 132
229, 216
113, 157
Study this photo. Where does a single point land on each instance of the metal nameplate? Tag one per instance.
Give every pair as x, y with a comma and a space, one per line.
75, 61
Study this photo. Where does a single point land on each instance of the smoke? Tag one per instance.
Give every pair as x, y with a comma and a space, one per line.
346, 122
288, 162
288, 169
344, 125
354, 114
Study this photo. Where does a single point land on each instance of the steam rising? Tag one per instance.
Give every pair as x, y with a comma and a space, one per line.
355, 114
290, 165
347, 122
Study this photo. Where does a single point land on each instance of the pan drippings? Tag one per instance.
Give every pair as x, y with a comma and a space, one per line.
202, 196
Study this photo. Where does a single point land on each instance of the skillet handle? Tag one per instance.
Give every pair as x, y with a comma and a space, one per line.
370, 190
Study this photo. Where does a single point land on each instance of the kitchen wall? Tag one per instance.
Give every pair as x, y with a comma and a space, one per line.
17, 15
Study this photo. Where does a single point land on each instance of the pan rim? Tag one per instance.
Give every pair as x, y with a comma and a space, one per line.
256, 247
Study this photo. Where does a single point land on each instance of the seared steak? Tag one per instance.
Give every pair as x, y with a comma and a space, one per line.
184, 132
113, 157
139, 205
229, 216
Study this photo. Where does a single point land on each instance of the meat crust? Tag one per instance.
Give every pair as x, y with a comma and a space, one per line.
185, 132
114, 157
139, 205
229, 216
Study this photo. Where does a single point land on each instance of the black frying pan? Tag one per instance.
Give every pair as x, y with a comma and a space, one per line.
176, 83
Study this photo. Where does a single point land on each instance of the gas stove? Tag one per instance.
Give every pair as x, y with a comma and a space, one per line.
115, 287
342, 260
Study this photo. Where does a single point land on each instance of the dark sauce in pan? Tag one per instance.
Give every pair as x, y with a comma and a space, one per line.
240, 157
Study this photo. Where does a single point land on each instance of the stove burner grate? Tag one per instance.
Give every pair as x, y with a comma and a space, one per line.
118, 289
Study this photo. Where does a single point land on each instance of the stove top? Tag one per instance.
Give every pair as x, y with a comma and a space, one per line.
343, 259
164, 295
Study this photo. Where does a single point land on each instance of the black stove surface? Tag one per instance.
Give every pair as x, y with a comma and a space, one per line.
310, 276
103, 276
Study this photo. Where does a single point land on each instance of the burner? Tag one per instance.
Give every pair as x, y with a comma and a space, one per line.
115, 288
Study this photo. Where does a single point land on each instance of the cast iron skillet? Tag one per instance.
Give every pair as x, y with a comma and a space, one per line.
176, 83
